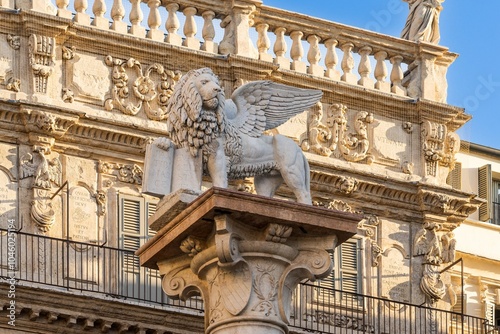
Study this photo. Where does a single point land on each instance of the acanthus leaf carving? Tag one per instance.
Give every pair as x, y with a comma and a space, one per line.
150, 96
278, 233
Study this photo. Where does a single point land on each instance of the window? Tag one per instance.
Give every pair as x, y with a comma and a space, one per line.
347, 273
454, 178
489, 189
136, 281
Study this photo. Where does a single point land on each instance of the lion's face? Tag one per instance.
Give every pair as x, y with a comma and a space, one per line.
209, 89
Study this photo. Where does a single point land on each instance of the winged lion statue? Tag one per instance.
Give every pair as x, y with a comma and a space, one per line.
229, 132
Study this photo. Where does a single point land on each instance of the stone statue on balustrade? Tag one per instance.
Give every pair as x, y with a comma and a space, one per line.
224, 137
422, 24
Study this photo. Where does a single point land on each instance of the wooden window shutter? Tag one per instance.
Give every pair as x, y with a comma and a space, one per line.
454, 178
490, 313
485, 191
461, 299
131, 221
349, 266
150, 210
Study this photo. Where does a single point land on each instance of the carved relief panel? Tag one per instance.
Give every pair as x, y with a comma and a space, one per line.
9, 48
339, 133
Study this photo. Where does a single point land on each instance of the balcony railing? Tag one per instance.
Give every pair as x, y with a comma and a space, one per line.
289, 40
101, 270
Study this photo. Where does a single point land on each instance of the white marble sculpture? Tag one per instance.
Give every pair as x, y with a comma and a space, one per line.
229, 132
422, 24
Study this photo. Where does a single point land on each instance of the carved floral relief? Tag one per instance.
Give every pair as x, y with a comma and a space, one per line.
150, 91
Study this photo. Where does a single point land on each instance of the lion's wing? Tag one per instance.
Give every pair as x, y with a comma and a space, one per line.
264, 105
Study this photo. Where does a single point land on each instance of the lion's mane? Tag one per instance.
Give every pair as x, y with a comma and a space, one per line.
191, 126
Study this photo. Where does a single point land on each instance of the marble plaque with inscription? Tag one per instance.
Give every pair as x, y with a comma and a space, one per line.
83, 225
88, 78
391, 142
395, 275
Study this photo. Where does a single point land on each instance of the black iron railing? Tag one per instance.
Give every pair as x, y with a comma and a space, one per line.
115, 272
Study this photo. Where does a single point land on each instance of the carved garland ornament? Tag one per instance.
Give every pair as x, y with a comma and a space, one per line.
148, 95
334, 138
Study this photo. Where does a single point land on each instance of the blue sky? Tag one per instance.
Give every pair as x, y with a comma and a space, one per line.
469, 28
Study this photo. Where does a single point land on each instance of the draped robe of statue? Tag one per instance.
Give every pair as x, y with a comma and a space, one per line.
422, 23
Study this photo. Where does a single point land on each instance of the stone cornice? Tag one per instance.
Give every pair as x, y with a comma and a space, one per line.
68, 126
402, 200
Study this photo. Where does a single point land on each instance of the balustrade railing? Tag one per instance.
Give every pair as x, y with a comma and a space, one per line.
101, 270
290, 40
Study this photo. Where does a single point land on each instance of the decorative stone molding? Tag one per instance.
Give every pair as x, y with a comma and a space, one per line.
123, 172
439, 149
67, 95
13, 84
318, 134
369, 226
152, 97
192, 246
437, 248
347, 185
14, 41
408, 127
68, 52
41, 57
334, 137
54, 125
47, 174
101, 198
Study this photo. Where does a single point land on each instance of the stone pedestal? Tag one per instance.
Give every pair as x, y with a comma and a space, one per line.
244, 254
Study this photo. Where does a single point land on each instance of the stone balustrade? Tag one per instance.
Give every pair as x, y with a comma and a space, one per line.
292, 41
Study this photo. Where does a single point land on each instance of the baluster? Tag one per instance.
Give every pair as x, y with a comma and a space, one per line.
297, 52
80, 16
99, 9
381, 72
172, 25
314, 56
331, 59
397, 76
136, 16
208, 32
263, 42
348, 64
365, 68
117, 14
154, 21
227, 44
62, 9
190, 29
280, 49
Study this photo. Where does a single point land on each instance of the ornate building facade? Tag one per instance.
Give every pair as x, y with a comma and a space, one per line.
82, 92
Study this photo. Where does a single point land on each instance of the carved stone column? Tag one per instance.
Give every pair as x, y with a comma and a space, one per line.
244, 254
